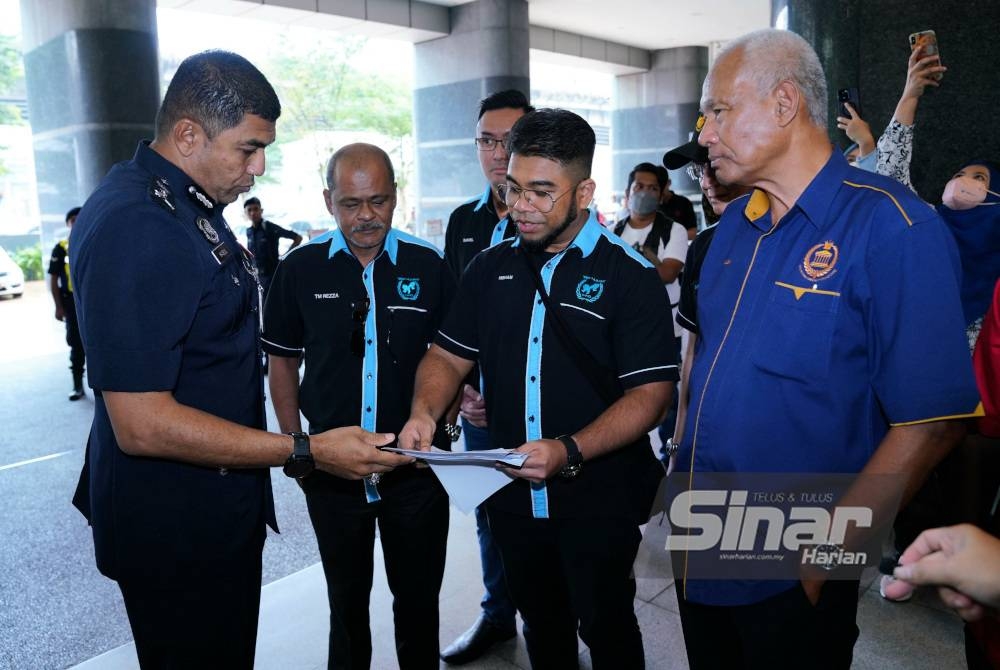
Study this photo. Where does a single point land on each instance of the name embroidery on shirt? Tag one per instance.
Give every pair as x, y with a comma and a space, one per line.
505, 277
590, 289
468, 239
326, 296
820, 261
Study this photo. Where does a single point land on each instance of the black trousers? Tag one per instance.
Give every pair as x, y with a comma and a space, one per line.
783, 631
570, 574
73, 339
412, 519
197, 621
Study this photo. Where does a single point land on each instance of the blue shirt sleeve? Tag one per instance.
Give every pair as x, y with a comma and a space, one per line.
922, 370
139, 284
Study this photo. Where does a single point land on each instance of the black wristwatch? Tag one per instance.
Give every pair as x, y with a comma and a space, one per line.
301, 462
574, 459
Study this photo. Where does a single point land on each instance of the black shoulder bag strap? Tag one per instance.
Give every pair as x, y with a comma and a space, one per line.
604, 381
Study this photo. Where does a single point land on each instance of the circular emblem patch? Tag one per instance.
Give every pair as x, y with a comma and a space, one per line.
820, 261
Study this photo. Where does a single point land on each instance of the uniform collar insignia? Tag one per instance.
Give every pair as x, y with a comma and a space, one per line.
200, 197
159, 190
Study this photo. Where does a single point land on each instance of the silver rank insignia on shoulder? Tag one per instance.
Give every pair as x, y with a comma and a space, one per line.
159, 190
202, 199
207, 230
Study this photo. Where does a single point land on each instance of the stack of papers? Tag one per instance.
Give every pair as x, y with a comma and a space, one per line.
463, 475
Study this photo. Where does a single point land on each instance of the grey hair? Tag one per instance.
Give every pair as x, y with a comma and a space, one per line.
771, 56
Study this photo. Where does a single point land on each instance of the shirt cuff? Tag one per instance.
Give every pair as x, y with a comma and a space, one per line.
454, 346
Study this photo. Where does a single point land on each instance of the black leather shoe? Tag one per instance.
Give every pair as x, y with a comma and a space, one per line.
77, 393
476, 641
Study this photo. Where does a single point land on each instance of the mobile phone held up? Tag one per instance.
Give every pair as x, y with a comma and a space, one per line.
852, 96
926, 40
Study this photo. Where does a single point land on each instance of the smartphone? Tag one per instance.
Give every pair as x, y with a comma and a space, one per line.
852, 96
926, 39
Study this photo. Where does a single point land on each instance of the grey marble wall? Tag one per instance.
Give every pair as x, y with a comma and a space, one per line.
93, 91
487, 51
656, 111
865, 44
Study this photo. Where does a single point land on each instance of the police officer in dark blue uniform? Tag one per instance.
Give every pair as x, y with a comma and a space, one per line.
567, 525
176, 481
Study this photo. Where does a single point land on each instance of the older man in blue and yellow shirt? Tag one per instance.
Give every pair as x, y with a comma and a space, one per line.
831, 339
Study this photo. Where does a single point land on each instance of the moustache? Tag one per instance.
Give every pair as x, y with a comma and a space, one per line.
366, 227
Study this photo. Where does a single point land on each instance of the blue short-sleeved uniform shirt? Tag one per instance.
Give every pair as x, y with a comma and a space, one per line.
317, 304
819, 333
167, 302
607, 294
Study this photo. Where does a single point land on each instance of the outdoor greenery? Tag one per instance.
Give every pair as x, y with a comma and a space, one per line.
29, 259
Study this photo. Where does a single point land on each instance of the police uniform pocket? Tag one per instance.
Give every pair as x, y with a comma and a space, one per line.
795, 336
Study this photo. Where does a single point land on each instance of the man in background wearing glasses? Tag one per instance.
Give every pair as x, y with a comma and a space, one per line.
472, 227
567, 524
362, 303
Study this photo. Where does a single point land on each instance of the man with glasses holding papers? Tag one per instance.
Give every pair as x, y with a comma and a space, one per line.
580, 408
362, 303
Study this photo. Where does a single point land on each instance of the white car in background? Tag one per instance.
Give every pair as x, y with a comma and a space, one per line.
11, 276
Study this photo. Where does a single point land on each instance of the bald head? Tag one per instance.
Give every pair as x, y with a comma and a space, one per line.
356, 155
769, 57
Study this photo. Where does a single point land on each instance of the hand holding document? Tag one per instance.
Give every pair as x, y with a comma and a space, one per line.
463, 475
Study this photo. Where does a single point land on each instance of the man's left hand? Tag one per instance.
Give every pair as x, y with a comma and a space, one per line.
545, 459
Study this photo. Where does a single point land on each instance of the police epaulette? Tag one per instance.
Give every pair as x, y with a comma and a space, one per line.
159, 191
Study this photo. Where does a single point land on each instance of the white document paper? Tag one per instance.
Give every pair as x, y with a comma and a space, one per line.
469, 477
487, 457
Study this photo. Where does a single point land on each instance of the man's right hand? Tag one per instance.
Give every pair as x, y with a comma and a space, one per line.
353, 453
473, 407
418, 433
60, 313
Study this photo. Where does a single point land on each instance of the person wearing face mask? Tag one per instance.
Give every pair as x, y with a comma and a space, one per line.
971, 208
662, 241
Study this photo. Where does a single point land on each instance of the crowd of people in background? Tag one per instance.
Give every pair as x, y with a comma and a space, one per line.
824, 318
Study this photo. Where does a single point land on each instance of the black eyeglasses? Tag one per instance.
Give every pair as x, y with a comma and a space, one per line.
490, 143
359, 315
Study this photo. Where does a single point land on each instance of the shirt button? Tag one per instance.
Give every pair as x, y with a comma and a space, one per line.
369, 375
532, 377
369, 341
223, 472
531, 419
538, 302
535, 340
368, 409
365, 275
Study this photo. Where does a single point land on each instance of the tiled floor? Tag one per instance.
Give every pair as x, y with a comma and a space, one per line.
293, 627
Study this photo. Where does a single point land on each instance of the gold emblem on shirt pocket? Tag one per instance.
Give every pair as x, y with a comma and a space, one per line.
795, 337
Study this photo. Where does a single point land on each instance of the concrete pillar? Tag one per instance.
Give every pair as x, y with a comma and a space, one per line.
656, 111
865, 44
487, 51
93, 91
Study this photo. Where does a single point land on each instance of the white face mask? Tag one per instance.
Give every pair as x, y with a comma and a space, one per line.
964, 193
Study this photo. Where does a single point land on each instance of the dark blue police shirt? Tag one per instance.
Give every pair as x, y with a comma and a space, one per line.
608, 295
310, 310
166, 303
819, 333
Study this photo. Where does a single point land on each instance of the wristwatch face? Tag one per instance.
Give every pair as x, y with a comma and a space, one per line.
571, 471
299, 467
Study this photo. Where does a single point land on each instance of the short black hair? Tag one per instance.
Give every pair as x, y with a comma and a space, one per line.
558, 135
646, 167
216, 89
71, 213
359, 148
251, 201
509, 99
